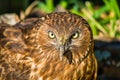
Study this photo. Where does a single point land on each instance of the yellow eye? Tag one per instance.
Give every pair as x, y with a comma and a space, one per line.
75, 35
51, 34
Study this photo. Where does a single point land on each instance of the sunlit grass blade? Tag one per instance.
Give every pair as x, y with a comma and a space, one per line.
49, 4
115, 7
95, 22
89, 6
112, 28
94, 29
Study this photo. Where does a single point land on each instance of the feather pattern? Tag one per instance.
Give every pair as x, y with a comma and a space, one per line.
28, 53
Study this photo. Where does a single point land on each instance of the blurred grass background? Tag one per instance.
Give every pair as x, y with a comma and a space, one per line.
102, 15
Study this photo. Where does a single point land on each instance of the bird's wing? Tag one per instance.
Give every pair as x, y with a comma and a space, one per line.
11, 38
27, 24
13, 51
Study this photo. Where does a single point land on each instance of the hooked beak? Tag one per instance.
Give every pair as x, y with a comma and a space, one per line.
62, 47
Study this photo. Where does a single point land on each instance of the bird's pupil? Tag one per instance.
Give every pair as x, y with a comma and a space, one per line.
74, 34
52, 34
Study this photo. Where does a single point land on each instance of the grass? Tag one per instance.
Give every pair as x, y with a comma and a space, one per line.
47, 7
103, 20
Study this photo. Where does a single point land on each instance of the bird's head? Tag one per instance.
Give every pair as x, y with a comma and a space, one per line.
59, 33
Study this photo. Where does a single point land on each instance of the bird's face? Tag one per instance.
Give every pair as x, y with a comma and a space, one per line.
64, 35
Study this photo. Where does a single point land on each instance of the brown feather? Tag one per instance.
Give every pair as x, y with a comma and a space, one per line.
28, 53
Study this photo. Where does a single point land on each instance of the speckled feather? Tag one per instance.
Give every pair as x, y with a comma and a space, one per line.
27, 53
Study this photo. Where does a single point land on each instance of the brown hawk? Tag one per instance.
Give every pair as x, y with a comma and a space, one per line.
58, 46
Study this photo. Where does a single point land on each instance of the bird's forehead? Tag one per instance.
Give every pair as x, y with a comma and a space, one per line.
65, 20
63, 25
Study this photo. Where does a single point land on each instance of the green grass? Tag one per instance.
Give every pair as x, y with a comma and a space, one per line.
47, 7
102, 20
105, 25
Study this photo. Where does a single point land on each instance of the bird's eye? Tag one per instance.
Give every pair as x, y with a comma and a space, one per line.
51, 34
75, 35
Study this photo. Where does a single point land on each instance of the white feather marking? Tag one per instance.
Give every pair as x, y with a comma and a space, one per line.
40, 78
